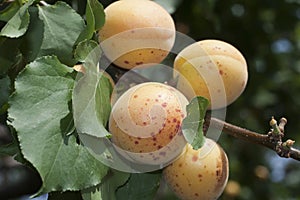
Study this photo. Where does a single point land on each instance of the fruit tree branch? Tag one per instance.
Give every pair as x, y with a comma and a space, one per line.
273, 140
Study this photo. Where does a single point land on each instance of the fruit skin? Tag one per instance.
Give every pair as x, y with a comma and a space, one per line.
197, 174
145, 123
136, 32
213, 69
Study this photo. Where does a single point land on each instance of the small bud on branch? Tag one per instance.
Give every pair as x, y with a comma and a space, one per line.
272, 140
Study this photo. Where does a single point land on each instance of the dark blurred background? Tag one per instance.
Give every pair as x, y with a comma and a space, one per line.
267, 32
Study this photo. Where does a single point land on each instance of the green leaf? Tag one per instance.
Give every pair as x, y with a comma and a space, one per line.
62, 26
4, 90
83, 49
18, 24
192, 125
97, 11
107, 189
33, 38
95, 18
37, 110
140, 186
91, 102
7, 13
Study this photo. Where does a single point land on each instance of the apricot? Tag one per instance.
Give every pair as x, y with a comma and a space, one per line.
136, 33
198, 174
213, 69
145, 123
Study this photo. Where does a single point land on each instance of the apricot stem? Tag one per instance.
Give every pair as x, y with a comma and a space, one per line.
272, 140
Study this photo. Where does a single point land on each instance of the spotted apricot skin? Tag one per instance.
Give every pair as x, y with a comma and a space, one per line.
198, 175
146, 120
136, 32
213, 69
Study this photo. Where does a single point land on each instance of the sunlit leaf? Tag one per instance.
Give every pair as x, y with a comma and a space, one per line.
18, 24
91, 102
192, 125
62, 26
83, 49
37, 110
95, 18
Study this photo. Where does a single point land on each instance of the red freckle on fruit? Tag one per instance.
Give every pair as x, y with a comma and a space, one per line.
126, 62
144, 123
200, 175
164, 104
154, 139
218, 172
162, 153
196, 194
177, 110
159, 147
136, 142
176, 185
194, 158
148, 99
180, 165
156, 100
174, 120
152, 52
156, 158
139, 138
135, 96
220, 72
182, 115
154, 144
171, 137
159, 95
139, 63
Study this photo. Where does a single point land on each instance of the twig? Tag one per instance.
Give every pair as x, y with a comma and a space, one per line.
272, 140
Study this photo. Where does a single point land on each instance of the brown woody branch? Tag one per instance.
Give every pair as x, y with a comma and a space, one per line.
273, 140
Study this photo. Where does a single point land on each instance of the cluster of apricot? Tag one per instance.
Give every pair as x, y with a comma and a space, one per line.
146, 120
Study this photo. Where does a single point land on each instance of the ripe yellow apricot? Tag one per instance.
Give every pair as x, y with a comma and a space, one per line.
136, 32
213, 69
145, 123
198, 174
